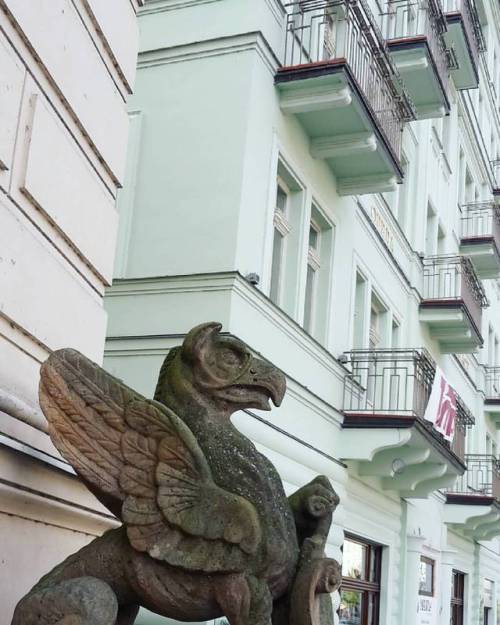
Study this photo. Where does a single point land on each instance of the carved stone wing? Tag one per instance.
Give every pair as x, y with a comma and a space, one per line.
143, 462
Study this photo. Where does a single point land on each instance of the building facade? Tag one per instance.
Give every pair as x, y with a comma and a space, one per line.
66, 70
321, 177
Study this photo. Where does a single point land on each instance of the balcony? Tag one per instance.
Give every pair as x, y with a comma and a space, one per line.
492, 394
472, 503
452, 303
495, 174
415, 38
340, 83
480, 238
386, 393
465, 41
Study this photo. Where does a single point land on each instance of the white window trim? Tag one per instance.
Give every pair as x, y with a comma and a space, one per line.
314, 253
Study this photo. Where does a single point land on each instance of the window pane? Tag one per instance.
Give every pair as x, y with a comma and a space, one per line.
351, 607
309, 302
426, 577
276, 266
281, 200
372, 610
373, 573
313, 238
354, 560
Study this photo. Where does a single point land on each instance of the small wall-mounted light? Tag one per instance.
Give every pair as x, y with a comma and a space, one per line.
253, 278
343, 358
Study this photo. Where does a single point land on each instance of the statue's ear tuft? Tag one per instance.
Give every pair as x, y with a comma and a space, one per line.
199, 339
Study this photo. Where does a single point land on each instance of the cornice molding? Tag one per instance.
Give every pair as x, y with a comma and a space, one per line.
244, 42
227, 281
162, 6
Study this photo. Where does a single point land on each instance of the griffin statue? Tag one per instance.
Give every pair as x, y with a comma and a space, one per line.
207, 530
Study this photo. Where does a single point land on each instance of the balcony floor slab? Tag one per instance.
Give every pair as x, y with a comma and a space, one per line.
451, 326
484, 255
342, 128
492, 408
400, 452
466, 75
477, 517
414, 61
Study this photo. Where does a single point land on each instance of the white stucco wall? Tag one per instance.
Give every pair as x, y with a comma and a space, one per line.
67, 69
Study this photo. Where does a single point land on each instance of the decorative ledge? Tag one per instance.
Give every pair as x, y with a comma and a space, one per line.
473, 516
473, 507
401, 451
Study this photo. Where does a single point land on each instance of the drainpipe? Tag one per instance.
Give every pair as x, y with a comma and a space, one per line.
20, 410
475, 595
402, 562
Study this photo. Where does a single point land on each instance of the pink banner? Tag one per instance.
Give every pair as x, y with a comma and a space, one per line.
441, 410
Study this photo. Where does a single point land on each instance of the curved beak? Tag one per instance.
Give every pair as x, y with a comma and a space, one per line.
264, 376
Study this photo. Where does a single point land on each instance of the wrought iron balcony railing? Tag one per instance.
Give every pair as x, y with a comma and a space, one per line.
495, 172
452, 279
397, 383
471, 24
481, 220
481, 479
492, 383
409, 19
345, 31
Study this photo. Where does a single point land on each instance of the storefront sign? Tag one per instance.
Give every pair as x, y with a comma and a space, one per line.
442, 407
425, 611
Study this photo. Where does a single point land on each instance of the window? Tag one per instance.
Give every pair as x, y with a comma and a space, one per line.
461, 174
431, 231
404, 195
447, 134
286, 242
313, 266
360, 591
281, 230
359, 312
378, 323
318, 274
426, 585
470, 189
395, 333
486, 601
441, 240
457, 598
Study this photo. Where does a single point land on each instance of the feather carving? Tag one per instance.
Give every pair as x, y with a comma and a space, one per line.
141, 455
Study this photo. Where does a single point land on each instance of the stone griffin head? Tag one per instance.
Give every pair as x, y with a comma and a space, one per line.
210, 370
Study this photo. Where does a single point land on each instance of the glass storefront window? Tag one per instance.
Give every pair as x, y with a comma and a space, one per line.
354, 560
351, 607
360, 592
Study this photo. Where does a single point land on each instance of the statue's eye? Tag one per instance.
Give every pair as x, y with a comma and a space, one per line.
230, 360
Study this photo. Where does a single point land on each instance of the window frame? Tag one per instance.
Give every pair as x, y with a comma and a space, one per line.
313, 263
457, 602
282, 226
364, 586
425, 593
